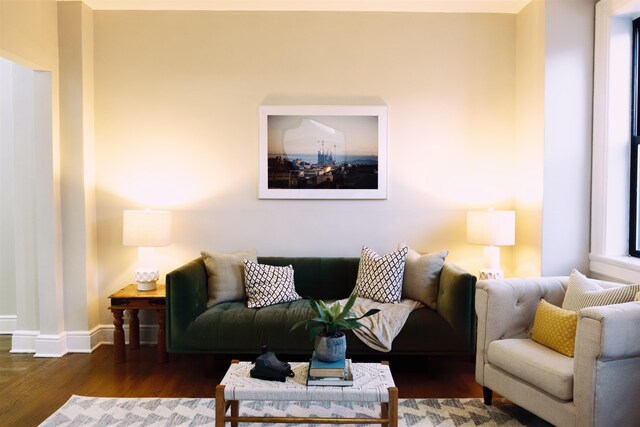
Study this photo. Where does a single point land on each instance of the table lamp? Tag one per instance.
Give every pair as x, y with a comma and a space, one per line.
491, 228
146, 229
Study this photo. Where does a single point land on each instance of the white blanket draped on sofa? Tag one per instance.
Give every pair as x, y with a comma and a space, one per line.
379, 330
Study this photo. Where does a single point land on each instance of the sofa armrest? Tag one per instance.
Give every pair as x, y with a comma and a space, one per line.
455, 301
506, 309
187, 297
607, 364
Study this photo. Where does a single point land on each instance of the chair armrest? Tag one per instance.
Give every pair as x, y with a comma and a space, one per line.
607, 364
455, 301
187, 296
609, 332
506, 309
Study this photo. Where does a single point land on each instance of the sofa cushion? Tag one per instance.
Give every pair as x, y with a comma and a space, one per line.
583, 292
421, 274
380, 277
267, 284
233, 328
555, 328
532, 362
225, 281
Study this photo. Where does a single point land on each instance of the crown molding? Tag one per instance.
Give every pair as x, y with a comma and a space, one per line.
421, 6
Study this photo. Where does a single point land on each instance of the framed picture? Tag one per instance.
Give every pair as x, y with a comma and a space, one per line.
323, 152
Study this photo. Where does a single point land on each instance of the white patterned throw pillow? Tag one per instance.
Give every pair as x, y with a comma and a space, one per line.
583, 292
380, 277
268, 284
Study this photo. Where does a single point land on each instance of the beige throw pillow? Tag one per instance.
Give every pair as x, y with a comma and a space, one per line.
421, 276
583, 292
226, 275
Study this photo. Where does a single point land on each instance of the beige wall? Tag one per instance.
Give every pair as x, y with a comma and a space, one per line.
177, 96
77, 161
29, 33
530, 74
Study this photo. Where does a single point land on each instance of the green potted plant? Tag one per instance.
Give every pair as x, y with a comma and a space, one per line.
327, 325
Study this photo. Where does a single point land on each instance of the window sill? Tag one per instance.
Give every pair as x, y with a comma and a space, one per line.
617, 268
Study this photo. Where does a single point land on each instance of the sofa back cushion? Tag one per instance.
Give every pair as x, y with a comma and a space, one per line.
320, 277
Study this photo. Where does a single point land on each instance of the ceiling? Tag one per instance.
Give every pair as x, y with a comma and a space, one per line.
445, 6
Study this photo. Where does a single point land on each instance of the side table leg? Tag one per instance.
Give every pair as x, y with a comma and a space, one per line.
118, 336
220, 405
134, 329
162, 344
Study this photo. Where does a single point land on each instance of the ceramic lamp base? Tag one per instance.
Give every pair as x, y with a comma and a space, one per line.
486, 274
146, 278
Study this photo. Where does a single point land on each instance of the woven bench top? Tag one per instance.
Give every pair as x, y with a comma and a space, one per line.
371, 382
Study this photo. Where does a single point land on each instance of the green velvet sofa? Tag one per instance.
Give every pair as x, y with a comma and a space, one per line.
233, 329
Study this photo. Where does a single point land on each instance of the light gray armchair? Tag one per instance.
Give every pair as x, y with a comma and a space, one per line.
599, 386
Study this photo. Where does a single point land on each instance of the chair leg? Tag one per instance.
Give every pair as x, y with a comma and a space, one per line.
487, 393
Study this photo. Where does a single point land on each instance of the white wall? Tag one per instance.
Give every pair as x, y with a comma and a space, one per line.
7, 235
177, 97
568, 89
29, 38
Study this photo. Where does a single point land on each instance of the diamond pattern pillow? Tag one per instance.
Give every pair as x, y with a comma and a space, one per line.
583, 292
268, 284
380, 277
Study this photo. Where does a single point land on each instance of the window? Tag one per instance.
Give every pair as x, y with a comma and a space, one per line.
634, 241
611, 184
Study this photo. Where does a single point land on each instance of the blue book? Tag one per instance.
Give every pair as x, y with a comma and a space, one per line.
319, 368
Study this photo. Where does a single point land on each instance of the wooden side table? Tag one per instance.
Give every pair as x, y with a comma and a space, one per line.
131, 299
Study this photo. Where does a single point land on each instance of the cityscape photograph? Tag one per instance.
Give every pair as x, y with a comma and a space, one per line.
323, 152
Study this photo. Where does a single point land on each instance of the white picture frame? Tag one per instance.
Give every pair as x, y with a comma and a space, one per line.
322, 152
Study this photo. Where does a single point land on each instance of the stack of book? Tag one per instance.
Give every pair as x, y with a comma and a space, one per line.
335, 374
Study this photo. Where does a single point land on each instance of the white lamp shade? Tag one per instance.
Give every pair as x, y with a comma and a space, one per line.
492, 228
147, 228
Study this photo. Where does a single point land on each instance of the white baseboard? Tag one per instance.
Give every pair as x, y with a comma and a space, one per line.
148, 334
8, 323
84, 341
74, 341
24, 341
51, 345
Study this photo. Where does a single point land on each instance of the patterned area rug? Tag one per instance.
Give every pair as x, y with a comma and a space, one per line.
100, 411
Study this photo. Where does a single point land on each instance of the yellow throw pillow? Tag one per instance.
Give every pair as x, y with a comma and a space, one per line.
555, 328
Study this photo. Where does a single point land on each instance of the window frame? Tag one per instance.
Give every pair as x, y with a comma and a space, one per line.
634, 242
609, 255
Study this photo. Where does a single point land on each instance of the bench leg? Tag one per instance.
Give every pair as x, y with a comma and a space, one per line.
221, 407
392, 408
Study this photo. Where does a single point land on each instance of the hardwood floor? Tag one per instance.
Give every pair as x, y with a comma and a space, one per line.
33, 388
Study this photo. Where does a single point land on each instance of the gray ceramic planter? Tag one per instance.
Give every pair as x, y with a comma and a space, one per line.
331, 349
